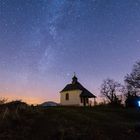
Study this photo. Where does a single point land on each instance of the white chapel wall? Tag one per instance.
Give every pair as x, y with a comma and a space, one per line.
74, 97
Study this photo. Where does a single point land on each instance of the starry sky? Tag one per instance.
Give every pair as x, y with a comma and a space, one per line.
43, 42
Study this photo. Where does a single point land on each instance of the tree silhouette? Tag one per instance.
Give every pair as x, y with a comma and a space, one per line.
110, 90
132, 80
2, 100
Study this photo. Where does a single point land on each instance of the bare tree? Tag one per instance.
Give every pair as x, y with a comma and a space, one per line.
2, 100
132, 80
110, 90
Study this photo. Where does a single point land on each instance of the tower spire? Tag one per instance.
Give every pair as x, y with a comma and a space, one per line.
74, 79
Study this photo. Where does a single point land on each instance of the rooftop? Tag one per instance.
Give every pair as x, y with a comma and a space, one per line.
75, 85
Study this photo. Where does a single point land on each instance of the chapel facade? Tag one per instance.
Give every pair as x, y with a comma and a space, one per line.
75, 94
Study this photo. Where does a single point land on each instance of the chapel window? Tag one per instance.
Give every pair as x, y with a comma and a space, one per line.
67, 96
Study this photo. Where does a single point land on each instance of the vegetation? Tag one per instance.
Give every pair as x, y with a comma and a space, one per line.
69, 123
3, 100
133, 79
131, 89
110, 89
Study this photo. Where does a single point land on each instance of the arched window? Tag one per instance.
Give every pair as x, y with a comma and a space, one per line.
67, 96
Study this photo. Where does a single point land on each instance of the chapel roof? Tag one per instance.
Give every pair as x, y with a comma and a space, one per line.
75, 85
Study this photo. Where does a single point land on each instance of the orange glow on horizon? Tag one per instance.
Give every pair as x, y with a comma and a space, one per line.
27, 99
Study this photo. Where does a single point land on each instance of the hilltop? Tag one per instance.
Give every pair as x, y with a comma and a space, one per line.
70, 123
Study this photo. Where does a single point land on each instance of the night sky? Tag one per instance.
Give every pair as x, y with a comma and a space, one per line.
43, 42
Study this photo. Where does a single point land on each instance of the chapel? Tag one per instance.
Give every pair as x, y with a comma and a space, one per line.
75, 94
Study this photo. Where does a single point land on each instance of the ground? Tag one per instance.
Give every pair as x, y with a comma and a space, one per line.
70, 123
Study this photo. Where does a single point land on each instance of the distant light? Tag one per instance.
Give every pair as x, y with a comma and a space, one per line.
139, 103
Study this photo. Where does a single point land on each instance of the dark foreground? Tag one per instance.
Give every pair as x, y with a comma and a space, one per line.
69, 123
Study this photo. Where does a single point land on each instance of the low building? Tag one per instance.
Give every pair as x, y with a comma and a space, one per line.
74, 94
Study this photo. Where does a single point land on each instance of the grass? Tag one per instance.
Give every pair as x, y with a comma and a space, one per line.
70, 123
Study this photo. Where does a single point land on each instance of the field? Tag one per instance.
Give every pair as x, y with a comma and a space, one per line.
70, 123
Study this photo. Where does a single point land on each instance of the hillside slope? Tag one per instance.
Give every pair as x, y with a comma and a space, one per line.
71, 123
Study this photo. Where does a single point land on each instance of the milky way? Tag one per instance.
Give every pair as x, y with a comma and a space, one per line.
42, 42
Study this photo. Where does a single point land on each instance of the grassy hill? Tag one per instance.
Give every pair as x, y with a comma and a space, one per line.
70, 123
